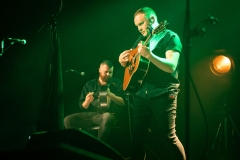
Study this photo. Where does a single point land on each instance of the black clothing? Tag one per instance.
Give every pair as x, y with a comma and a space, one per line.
95, 115
115, 86
162, 81
87, 120
157, 97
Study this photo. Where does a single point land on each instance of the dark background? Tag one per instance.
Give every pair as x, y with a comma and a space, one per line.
90, 31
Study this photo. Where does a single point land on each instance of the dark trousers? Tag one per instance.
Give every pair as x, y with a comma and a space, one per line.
164, 110
87, 120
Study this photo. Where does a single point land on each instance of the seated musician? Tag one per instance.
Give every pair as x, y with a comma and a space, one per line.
99, 102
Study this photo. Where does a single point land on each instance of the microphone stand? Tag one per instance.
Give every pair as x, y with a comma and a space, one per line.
188, 34
186, 51
223, 123
129, 113
2, 46
51, 109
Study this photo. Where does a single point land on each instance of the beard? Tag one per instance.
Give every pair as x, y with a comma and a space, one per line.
105, 78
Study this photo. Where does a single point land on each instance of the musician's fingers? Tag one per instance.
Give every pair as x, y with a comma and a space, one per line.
126, 55
91, 98
90, 94
139, 49
122, 53
126, 52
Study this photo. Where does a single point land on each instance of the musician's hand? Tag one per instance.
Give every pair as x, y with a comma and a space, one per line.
144, 51
109, 93
116, 99
124, 58
89, 97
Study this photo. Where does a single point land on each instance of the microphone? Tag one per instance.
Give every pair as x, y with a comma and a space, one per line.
212, 20
75, 71
22, 41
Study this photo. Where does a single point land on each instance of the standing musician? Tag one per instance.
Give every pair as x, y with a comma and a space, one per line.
99, 102
158, 87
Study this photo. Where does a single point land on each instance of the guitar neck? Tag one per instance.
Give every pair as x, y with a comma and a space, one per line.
147, 40
159, 28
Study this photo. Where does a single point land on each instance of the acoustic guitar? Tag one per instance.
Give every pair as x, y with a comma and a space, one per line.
104, 100
137, 65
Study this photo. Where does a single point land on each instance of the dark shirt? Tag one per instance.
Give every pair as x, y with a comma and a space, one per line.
156, 81
115, 86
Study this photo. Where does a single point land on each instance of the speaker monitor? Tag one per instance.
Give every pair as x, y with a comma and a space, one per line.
71, 143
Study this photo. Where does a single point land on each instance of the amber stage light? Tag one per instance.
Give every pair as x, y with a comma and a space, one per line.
221, 64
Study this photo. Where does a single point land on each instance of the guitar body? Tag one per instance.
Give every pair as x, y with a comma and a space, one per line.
103, 99
137, 65
135, 71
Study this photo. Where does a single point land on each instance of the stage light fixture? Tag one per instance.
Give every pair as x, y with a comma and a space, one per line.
221, 64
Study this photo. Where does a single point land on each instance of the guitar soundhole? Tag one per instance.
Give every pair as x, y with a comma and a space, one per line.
130, 68
131, 65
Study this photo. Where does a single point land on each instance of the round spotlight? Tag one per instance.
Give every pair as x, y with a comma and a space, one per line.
221, 65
